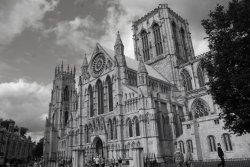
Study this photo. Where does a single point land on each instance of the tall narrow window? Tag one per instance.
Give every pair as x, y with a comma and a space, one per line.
211, 143
137, 127
190, 145
99, 89
130, 128
200, 108
87, 133
200, 76
66, 116
115, 128
227, 142
111, 129
175, 36
66, 93
91, 107
186, 79
145, 46
157, 37
183, 39
181, 145
110, 93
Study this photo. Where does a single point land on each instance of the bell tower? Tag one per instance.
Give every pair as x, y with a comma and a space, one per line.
163, 38
63, 102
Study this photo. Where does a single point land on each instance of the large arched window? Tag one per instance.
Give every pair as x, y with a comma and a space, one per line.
99, 89
130, 128
227, 142
137, 127
91, 105
211, 143
186, 79
157, 37
200, 76
175, 36
190, 145
110, 93
145, 47
200, 108
181, 146
111, 129
66, 93
183, 39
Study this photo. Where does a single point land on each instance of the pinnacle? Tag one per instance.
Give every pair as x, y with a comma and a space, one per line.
141, 67
118, 39
85, 61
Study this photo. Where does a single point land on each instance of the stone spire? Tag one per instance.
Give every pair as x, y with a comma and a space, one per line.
119, 47
85, 61
141, 66
118, 39
84, 65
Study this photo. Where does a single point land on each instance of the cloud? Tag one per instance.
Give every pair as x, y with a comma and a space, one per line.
25, 102
79, 34
16, 16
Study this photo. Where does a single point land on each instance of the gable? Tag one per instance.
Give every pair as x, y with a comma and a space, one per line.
100, 62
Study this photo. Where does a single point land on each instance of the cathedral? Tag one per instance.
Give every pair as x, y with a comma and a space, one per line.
126, 109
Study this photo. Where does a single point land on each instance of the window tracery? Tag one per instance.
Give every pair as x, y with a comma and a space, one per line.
145, 47
200, 108
157, 37
186, 79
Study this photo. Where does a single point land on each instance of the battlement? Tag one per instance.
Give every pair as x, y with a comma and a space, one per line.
69, 71
161, 6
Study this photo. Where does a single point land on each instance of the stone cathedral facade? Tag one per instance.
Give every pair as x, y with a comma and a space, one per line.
127, 108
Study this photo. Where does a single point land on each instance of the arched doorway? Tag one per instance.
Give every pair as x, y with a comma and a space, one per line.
99, 147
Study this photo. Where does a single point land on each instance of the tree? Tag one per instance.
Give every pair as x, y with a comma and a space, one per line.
23, 131
228, 63
38, 150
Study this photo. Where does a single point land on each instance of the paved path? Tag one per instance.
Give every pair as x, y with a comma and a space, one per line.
243, 163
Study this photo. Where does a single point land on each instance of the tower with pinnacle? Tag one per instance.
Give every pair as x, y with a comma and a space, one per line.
63, 104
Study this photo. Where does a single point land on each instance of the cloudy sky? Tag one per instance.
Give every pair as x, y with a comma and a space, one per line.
36, 35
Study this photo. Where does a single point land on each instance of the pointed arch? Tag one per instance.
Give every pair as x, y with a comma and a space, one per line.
175, 36
86, 134
91, 104
190, 146
200, 108
186, 79
183, 40
200, 75
227, 142
211, 143
66, 93
114, 128
110, 93
157, 38
145, 46
130, 127
137, 126
66, 116
99, 90
110, 123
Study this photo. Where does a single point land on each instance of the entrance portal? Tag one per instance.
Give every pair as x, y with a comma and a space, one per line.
99, 147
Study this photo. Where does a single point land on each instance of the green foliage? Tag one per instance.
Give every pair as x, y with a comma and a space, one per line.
228, 63
6, 123
38, 150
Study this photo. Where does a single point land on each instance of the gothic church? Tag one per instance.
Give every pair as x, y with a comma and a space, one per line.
127, 108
